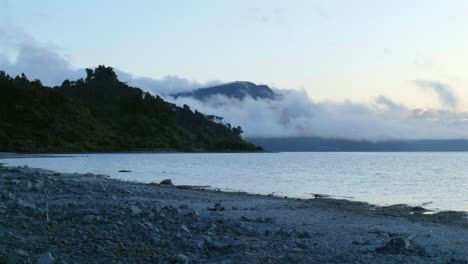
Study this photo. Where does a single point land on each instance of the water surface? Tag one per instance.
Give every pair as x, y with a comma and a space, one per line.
439, 180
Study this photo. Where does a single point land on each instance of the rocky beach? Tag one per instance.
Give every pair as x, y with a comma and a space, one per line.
51, 217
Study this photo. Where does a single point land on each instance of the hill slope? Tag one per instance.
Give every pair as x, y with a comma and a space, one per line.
101, 113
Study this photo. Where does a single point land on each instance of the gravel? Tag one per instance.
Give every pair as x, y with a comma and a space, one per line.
50, 217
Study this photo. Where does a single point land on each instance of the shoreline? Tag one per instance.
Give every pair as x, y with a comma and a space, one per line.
343, 200
92, 218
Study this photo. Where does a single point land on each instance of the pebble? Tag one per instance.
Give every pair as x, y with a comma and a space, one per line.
76, 233
45, 258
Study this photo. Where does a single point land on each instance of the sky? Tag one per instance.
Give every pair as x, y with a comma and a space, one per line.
334, 50
356, 69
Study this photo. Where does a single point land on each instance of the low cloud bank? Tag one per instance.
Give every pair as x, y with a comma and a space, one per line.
296, 115
169, 84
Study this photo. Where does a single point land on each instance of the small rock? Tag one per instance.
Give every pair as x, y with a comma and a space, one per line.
135, 210
45, 258
193, 214
185, 228
89, 219
360, 242
22, 252
22, 204
458, 260
140, 228
399, 245
181, 258
8, 196
216, 207
166, 182
225, 242
29, 185
38, 185
304, 234
264, 220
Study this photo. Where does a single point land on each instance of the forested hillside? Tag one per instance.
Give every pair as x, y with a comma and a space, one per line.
100, 113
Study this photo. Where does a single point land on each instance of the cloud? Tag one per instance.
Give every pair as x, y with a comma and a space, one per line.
444, 92
37, 60
263, 15
40, 61
167, 85
296, 115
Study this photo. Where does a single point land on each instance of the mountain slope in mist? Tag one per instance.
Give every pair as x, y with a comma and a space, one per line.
237, 90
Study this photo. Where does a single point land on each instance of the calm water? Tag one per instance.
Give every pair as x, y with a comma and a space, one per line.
440, 179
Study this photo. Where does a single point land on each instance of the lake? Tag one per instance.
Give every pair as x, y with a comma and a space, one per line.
436, 180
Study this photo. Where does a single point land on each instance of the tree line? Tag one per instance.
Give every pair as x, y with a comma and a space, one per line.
99, 114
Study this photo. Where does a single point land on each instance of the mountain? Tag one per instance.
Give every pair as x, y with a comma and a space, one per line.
306, 144
238, 90
100, 113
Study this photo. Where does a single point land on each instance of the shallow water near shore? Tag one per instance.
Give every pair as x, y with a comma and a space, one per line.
435, 180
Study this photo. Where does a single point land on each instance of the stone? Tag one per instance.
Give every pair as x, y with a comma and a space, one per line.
45, 258
458, 260
29, 185
400, 245
185, 228
135, 210
225, 242
304, 234
22, 204
38, 185
181, 258
89, 219
166, 182
140, 228
22, 252
193, 214
8, 196
216, 207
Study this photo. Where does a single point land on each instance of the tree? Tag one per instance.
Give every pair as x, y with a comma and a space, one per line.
237, 130
89, 74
